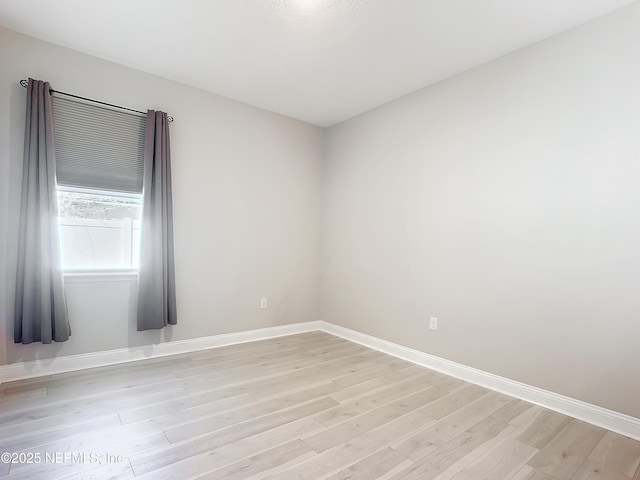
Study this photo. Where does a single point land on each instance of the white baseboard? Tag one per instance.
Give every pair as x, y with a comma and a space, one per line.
51, 366
602, 417
599, 416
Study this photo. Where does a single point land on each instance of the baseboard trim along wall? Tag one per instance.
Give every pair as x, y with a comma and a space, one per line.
599, 416
69, 363
602, 417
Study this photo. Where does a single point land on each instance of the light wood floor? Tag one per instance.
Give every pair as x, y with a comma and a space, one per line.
308, 406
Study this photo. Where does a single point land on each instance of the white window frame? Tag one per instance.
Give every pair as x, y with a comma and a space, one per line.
100, 274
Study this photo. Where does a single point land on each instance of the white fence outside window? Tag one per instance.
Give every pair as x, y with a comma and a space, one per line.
88, 243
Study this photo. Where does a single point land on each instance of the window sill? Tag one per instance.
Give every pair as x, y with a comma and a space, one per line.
100, 276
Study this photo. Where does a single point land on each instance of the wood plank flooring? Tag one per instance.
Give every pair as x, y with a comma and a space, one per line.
309, 406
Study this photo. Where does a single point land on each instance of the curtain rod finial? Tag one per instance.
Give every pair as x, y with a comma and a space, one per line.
24, 83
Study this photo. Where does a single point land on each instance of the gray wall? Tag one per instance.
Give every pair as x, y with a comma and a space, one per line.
503, 201
246, 199
506, 202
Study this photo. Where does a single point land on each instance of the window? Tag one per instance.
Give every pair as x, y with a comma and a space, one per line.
99, 163
99, 231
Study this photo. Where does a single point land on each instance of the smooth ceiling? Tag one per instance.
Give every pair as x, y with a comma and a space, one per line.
320, 61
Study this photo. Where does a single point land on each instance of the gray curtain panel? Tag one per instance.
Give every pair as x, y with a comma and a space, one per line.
40, 306
156, 279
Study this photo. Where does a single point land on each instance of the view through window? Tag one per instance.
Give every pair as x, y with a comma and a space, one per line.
99, 230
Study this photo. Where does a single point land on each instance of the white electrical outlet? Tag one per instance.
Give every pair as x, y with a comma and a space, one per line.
433, 323
263, 303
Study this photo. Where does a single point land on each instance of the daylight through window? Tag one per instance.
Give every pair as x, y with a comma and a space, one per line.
98, 231
99, 164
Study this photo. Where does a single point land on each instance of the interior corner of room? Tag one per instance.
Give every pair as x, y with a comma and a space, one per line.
486, 225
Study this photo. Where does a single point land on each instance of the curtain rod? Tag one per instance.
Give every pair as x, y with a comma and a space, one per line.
25, 83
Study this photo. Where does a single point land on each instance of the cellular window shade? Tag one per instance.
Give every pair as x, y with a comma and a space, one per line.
97, 147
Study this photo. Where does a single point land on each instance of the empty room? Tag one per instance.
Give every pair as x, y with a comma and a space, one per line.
320, 239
